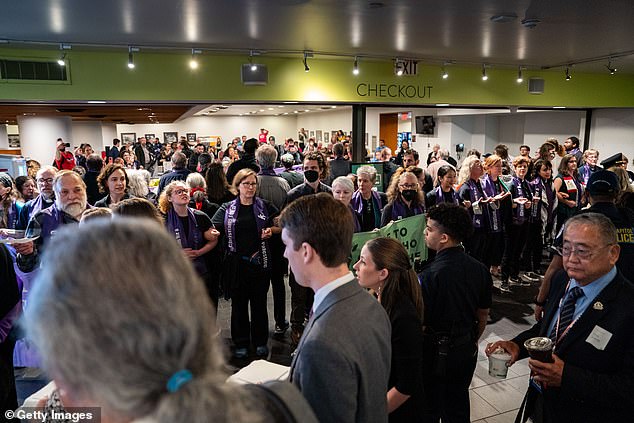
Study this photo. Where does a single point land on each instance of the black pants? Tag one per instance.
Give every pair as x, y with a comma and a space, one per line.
532, 255
279, 266
494, 249
447, 397
476, 244
8, 395
251, 291
514, 240
301, 302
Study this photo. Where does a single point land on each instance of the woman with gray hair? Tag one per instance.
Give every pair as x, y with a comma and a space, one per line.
342, 189
367, 202
138, 184
144, 350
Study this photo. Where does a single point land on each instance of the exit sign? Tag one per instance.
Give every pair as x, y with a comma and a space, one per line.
406, 67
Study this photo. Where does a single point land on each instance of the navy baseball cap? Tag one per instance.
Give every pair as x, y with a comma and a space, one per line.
603, 182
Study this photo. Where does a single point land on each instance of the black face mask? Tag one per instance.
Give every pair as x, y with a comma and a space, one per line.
311, 175
409, 194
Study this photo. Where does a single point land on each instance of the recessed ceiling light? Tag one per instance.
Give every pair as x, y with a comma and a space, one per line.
285, 113
96, 102
442, 104
280, 106
559, 107
307, 110
271, 108
261, 110
296, 111
333, 107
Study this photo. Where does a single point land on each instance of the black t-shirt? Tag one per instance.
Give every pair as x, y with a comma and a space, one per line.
202, 221
246, 230
451, 299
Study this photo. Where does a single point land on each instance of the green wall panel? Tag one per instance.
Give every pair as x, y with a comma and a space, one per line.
103, 75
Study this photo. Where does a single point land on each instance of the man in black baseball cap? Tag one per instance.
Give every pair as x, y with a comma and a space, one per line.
602, 190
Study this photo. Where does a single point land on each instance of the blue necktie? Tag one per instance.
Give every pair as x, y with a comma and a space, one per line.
566, 312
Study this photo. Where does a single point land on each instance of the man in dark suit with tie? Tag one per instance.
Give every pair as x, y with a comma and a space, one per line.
342, 362
590, 319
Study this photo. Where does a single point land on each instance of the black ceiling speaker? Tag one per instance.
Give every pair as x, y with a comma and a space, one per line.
254, 74
536, 86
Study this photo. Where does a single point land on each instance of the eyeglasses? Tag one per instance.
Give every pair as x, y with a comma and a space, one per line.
180, 191
45, 181
249, 184
408, 186
580, 252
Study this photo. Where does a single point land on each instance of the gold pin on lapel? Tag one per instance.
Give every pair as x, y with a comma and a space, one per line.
598, 305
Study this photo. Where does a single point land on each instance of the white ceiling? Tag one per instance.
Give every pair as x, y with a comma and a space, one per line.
437, 31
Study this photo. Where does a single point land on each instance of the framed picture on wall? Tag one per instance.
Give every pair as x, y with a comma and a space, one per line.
128, 138
312, 134
170, 137
150, 137
318, 135
191, 138
14, 140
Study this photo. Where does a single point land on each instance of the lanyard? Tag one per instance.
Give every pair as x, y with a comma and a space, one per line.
558, 338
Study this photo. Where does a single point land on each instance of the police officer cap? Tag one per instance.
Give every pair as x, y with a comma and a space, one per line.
603, 182
615, 160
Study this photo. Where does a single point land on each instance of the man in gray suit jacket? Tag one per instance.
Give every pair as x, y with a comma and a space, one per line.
342, 363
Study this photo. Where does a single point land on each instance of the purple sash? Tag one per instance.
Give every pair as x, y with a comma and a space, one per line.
440, 198
357, 205
268, 172
12, 216
495, 219
37, 206
192, 239
519, 215
261, 219
399, 209
474, 195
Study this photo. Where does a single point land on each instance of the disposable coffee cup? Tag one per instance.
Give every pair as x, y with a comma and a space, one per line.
540, 349
498, 364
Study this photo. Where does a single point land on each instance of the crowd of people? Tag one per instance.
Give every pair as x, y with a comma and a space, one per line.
246, 216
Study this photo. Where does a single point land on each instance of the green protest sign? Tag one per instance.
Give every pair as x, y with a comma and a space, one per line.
410, 231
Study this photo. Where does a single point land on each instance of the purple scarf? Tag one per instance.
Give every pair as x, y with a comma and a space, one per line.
440, 198
12, 216
357, 205
476, 194
267, 172
261, 219
399, 209
519, 216
193, 238
539, 186
37, 206
490, 189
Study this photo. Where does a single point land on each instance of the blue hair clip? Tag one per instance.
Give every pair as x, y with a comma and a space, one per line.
178, 379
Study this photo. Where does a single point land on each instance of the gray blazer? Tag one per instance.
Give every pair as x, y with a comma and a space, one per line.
342, 363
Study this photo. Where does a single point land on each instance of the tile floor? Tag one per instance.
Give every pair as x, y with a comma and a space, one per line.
493, 400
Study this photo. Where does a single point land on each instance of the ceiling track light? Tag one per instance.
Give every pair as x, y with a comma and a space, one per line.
398, 67
193, 63
520, 79
306, 68
254, 67
62, 58
484, 73
568, 77
131, 51
355, 66
610, 68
